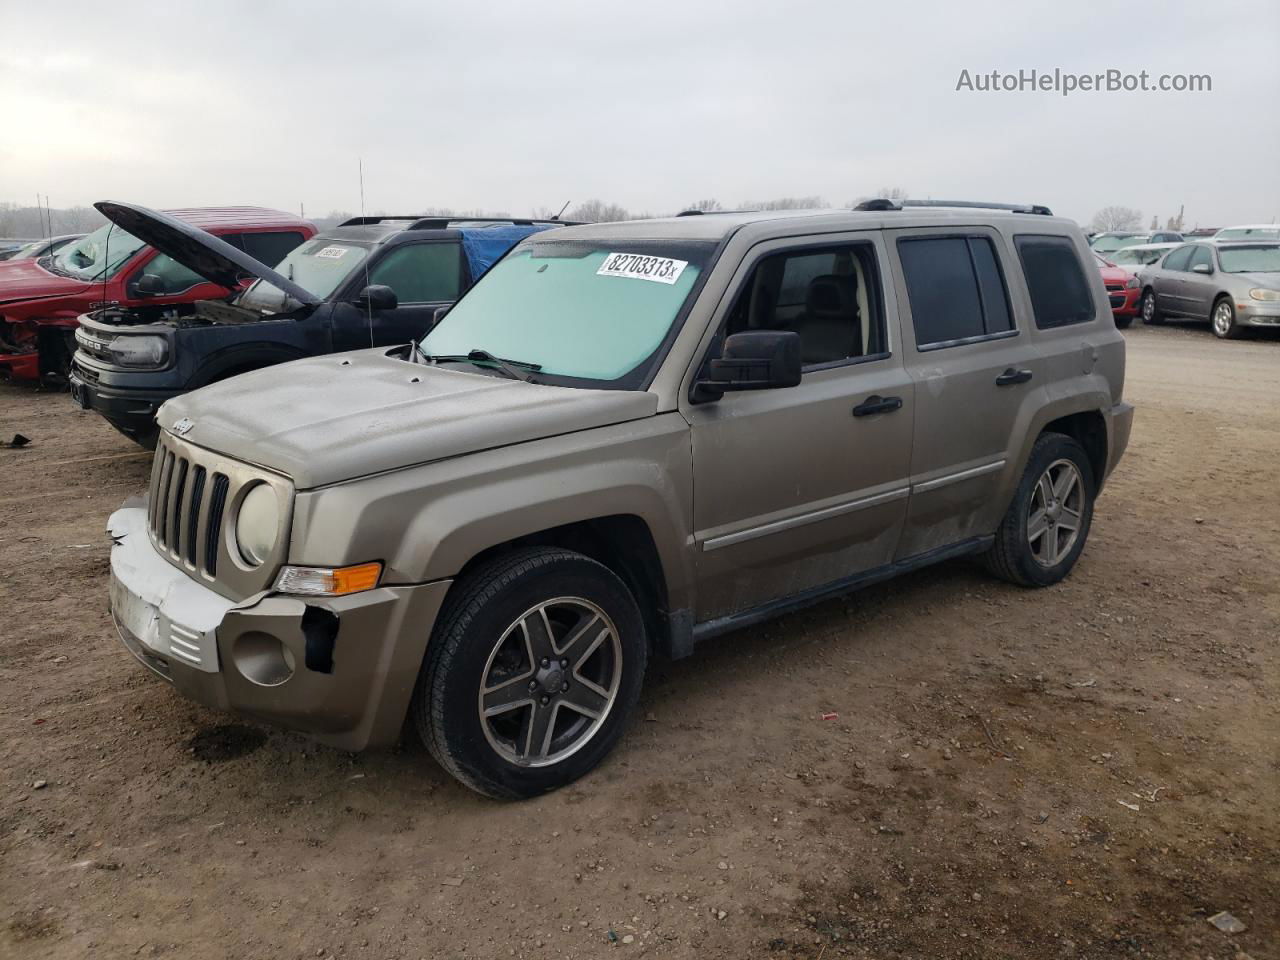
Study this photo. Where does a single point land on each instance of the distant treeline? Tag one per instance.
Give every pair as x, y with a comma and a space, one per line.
31, 222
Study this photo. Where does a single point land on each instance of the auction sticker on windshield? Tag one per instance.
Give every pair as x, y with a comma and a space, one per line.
332, 253
637, 266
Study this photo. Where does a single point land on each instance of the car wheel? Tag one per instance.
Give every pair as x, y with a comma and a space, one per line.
1046, 525
1223, 320
532, 672
1122, 323
1150, 312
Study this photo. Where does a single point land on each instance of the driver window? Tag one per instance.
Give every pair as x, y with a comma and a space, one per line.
174, 276
829, 296
1201, 256
421, 272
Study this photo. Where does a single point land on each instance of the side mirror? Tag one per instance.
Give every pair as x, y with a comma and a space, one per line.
439, 314
377, 296
1202, 268
753, 360
149, 285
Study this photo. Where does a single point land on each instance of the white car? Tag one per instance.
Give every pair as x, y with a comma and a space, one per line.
1136, 257
1250, 231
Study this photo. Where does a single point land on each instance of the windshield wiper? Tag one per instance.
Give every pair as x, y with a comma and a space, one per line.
509, 367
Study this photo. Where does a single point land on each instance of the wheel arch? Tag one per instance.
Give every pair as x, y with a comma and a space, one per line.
1089, 429
233, 361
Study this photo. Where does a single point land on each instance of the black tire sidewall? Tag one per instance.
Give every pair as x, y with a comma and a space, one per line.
1155, 310
1050, 448
455, 675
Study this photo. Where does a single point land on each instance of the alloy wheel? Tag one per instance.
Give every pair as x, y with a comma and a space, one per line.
1222, 318
1053, 520
550, 682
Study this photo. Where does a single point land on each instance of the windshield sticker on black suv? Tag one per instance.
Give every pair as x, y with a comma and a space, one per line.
332, 253
639, 267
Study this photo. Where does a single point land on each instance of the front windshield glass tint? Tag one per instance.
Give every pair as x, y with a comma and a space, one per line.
318, 266
584, 310
1250, 259
1105, 245
99, 255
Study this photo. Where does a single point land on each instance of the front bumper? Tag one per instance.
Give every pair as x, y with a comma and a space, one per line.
1258, 313
132, 411
340, 668
1125, 302
21, 366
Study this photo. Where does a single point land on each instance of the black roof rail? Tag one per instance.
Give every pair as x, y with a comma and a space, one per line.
700, 213
418, 222
880, 203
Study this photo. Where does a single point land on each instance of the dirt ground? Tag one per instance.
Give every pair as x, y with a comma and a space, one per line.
1087, 771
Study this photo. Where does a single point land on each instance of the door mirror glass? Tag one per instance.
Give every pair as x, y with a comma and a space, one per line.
377, 296
149, 285
753, 360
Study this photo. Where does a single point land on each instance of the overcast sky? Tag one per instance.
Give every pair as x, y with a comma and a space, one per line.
651, 104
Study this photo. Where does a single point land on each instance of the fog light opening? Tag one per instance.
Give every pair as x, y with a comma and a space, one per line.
262, 659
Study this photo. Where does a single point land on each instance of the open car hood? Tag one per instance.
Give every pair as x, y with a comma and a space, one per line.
214, 259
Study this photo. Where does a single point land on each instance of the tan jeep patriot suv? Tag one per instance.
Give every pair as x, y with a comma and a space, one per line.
626, 438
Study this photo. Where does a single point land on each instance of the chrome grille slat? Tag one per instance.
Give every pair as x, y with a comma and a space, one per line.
193, 514
176, 489
217, 503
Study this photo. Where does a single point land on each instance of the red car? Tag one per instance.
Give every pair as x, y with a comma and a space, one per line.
1123, 290
41, 300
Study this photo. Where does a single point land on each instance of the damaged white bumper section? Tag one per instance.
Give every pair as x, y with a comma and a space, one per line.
163, 615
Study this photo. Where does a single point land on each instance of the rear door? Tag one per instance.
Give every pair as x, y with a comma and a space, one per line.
803, 487
425, 274
973, 370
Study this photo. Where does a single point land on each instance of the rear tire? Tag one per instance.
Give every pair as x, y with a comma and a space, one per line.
533, 669
1045, 528
1122, 323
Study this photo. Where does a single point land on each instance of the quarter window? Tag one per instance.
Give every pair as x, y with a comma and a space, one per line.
1060, 295
271, 248
955, 287
421, 272
830, 296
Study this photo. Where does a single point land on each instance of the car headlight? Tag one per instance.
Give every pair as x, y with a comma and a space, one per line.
1133, 283
258, 524
328, 581
140, 351
1262, 293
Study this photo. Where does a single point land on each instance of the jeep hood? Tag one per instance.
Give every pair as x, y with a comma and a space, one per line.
327, 419
214, 259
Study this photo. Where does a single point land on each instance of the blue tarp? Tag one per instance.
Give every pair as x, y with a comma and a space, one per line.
483, 246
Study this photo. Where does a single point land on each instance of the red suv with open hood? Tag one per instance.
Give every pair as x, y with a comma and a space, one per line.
41, 300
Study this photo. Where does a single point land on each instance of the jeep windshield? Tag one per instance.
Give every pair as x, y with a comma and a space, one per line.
95, 256
318, 265
582, 312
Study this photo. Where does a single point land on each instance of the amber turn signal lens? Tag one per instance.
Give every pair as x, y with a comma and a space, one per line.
328, 581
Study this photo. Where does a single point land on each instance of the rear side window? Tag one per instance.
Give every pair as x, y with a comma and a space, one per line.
1060, 295
956, 290
421, 272
271, 248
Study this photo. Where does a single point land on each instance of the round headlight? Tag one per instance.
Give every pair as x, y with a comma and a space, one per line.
258, 524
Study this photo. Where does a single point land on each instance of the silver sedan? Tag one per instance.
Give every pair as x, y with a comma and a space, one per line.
1232, 285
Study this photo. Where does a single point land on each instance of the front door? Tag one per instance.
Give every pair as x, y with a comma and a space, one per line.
1168, 282
426, 275
803, 487
1199, 288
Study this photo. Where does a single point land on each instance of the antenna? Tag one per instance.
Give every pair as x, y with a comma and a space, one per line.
562, 210
367, 305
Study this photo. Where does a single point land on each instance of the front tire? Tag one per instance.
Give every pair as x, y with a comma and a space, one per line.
532, 672
1223, 320
1150, 312
1044, 530
1122, 323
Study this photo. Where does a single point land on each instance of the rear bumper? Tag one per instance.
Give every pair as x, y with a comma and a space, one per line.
342, 669
1119, 426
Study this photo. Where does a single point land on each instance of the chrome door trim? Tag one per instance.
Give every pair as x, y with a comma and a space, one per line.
957, 477
790, 523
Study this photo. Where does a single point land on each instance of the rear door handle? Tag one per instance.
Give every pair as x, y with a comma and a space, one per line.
877, 404
1012, 376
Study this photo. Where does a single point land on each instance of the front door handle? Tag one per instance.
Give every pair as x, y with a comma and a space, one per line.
1012, 376
877, 404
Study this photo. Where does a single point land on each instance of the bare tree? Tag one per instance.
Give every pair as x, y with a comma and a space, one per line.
1115, 218
706, 206
786, 203
597, 211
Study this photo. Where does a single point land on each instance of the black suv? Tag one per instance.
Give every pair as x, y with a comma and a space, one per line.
371, 281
